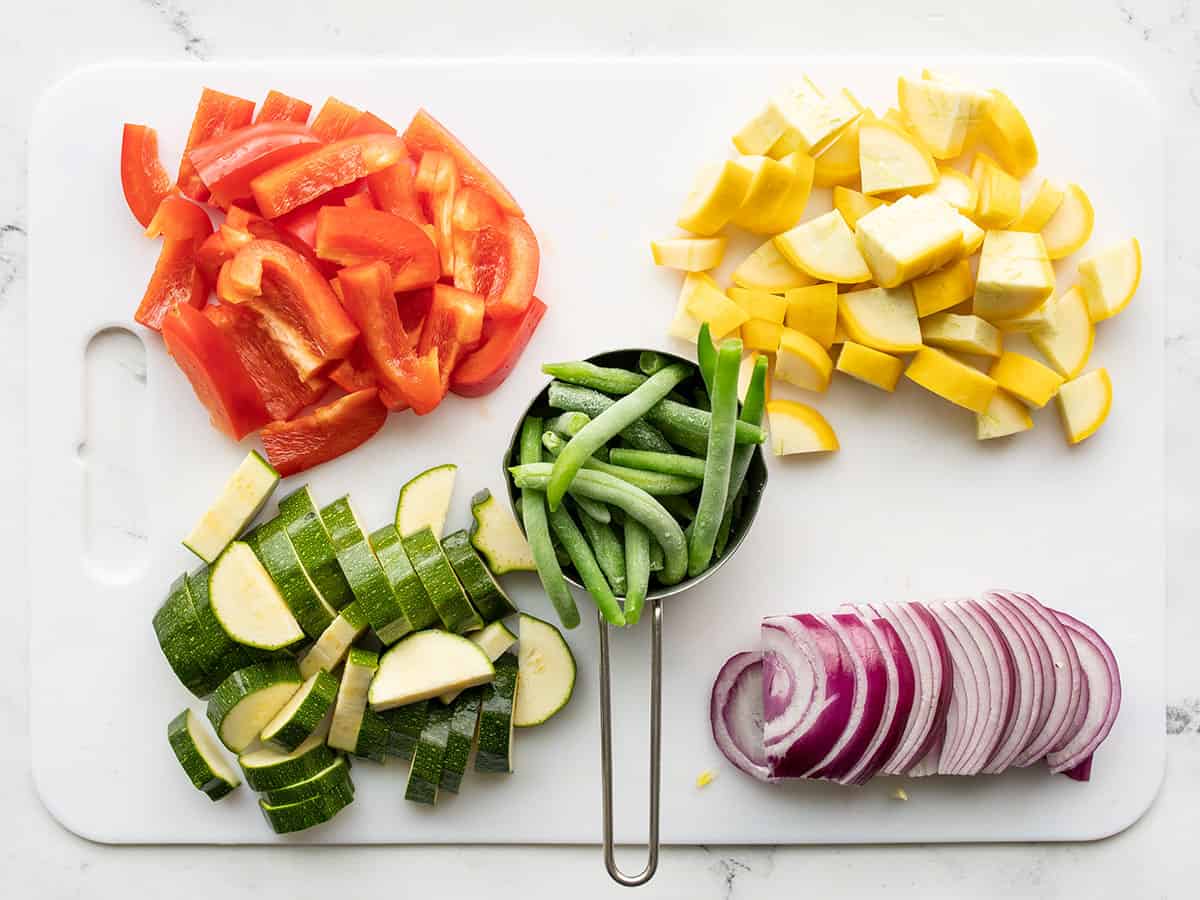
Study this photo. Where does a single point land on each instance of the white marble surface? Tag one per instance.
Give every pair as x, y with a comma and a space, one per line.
1158, 39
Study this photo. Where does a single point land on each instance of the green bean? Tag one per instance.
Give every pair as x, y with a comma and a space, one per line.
752, 412
656, 556
706, 356
600, 378
720, 458
585, 564
608, 425
610, 554
554, 443
636, 503
650, 362
640, 434
637, 569
537, 530
654, 483
568, 424
700, 399
678, 506
667, 463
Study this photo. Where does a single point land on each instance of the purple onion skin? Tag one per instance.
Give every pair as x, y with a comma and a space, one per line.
1082, 772
906, 695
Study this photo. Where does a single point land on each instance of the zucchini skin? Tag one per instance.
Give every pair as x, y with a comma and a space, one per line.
463, 721
275, 551
436, 574
289, 771
482, 588
193, 762
364, 573
405, 584
247, 682
328, 780
405, 724
494, 753
425, 773
304, 814
308, 717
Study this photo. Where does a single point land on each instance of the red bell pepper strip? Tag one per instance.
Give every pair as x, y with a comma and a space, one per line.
216, 114
473, 210
452, 328
228, 163
503, 267
414, 308
280, 388
441, 204
354, 373
334, 119
143, 178
215, 372
350, 237
177, 218
177, 281
360, 201
408, 377
324, 434
278, 107
426, 133
504, 340
302, 180
393, 191
369, 123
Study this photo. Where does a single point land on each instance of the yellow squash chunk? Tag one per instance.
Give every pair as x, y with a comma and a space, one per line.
1067, 335
1015, 275
761, 335
760, 304
870, 365
689, 254
707, 303
940, 290
716, 196
999, 201
838, 163
852, 204
1071, 225
957, 189
761, 132
814, 311
1110, 278
913, 236
1084, 404
825, 248
972, 237
1041, 207
798, 428
770, 180
684, 325
891, 160
883, 318
1026, 378
791, 205
941, 113
766, 269
745, 371
1005, 415
802, 361
953, 380
1030, 321
1007, 133
813, 120
839, 333
964, 334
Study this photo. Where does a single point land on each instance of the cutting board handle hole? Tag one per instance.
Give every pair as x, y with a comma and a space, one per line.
115, 519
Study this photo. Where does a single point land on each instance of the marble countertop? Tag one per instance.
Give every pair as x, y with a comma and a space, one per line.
1158, 39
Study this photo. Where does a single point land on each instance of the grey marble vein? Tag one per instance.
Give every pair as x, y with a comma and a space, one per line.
13, 240
179, 21
1184, 717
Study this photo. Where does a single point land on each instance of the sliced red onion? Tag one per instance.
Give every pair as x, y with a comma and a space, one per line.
1082, 772
928, 764
1001, 674
1028, 688
922, 708
901, 689
736, 713
925, 620
1103, 679
964, 722
808, 692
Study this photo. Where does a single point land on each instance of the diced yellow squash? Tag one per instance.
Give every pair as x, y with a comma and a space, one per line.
891, 160
716, 196
1067, 335
883, 318
1026, 378
766, 269
770, 181
689, 254
746, 371
870, 365
1015, 275
1005, 415
1071, 225
707, 303
940, 373
1042, 206
798, 428
852, 204
813, 120
791, 205
684, 325
940, 113
957, 189
1008, 134
944, 288
760, 304
814, 311
972, 237
839, 333
1110, 278
759, 134
1084, 403
825, 248
803, 362
761, 335
910, 238
963, 334
1029, 322
838, 163
999, 201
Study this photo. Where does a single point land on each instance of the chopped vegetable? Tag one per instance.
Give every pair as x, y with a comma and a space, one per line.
720, 457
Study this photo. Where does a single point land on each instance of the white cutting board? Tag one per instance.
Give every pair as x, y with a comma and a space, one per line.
600, 154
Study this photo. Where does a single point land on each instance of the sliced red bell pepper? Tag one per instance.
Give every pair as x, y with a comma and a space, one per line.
441, 204
360, 201
278, 107
334, 119
178, 218
228, 163
394, 191
369, 123
350, 237
414, 307
302, 180
452, 328
473, 210
143, 178
503, 267
426, 133
324, 434
216, 114
281, 389
504, 340
177, 281
406, 375
354, 373
215, 372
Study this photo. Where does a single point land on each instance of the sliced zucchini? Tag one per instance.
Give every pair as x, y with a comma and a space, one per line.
302, 814
268, 769
426, 664
233, 656
425, 501
201, 756
463, 721
494, 639
303, 713
441, 584
496, 534
547, 672
191, 651
247, 604
425, 771
362, 570
332, 779
243, 496
374, 736
404, 727
314, 546
403, 578
485, 592
352, 699
249, 698
274, 550
494, 752
335, 641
